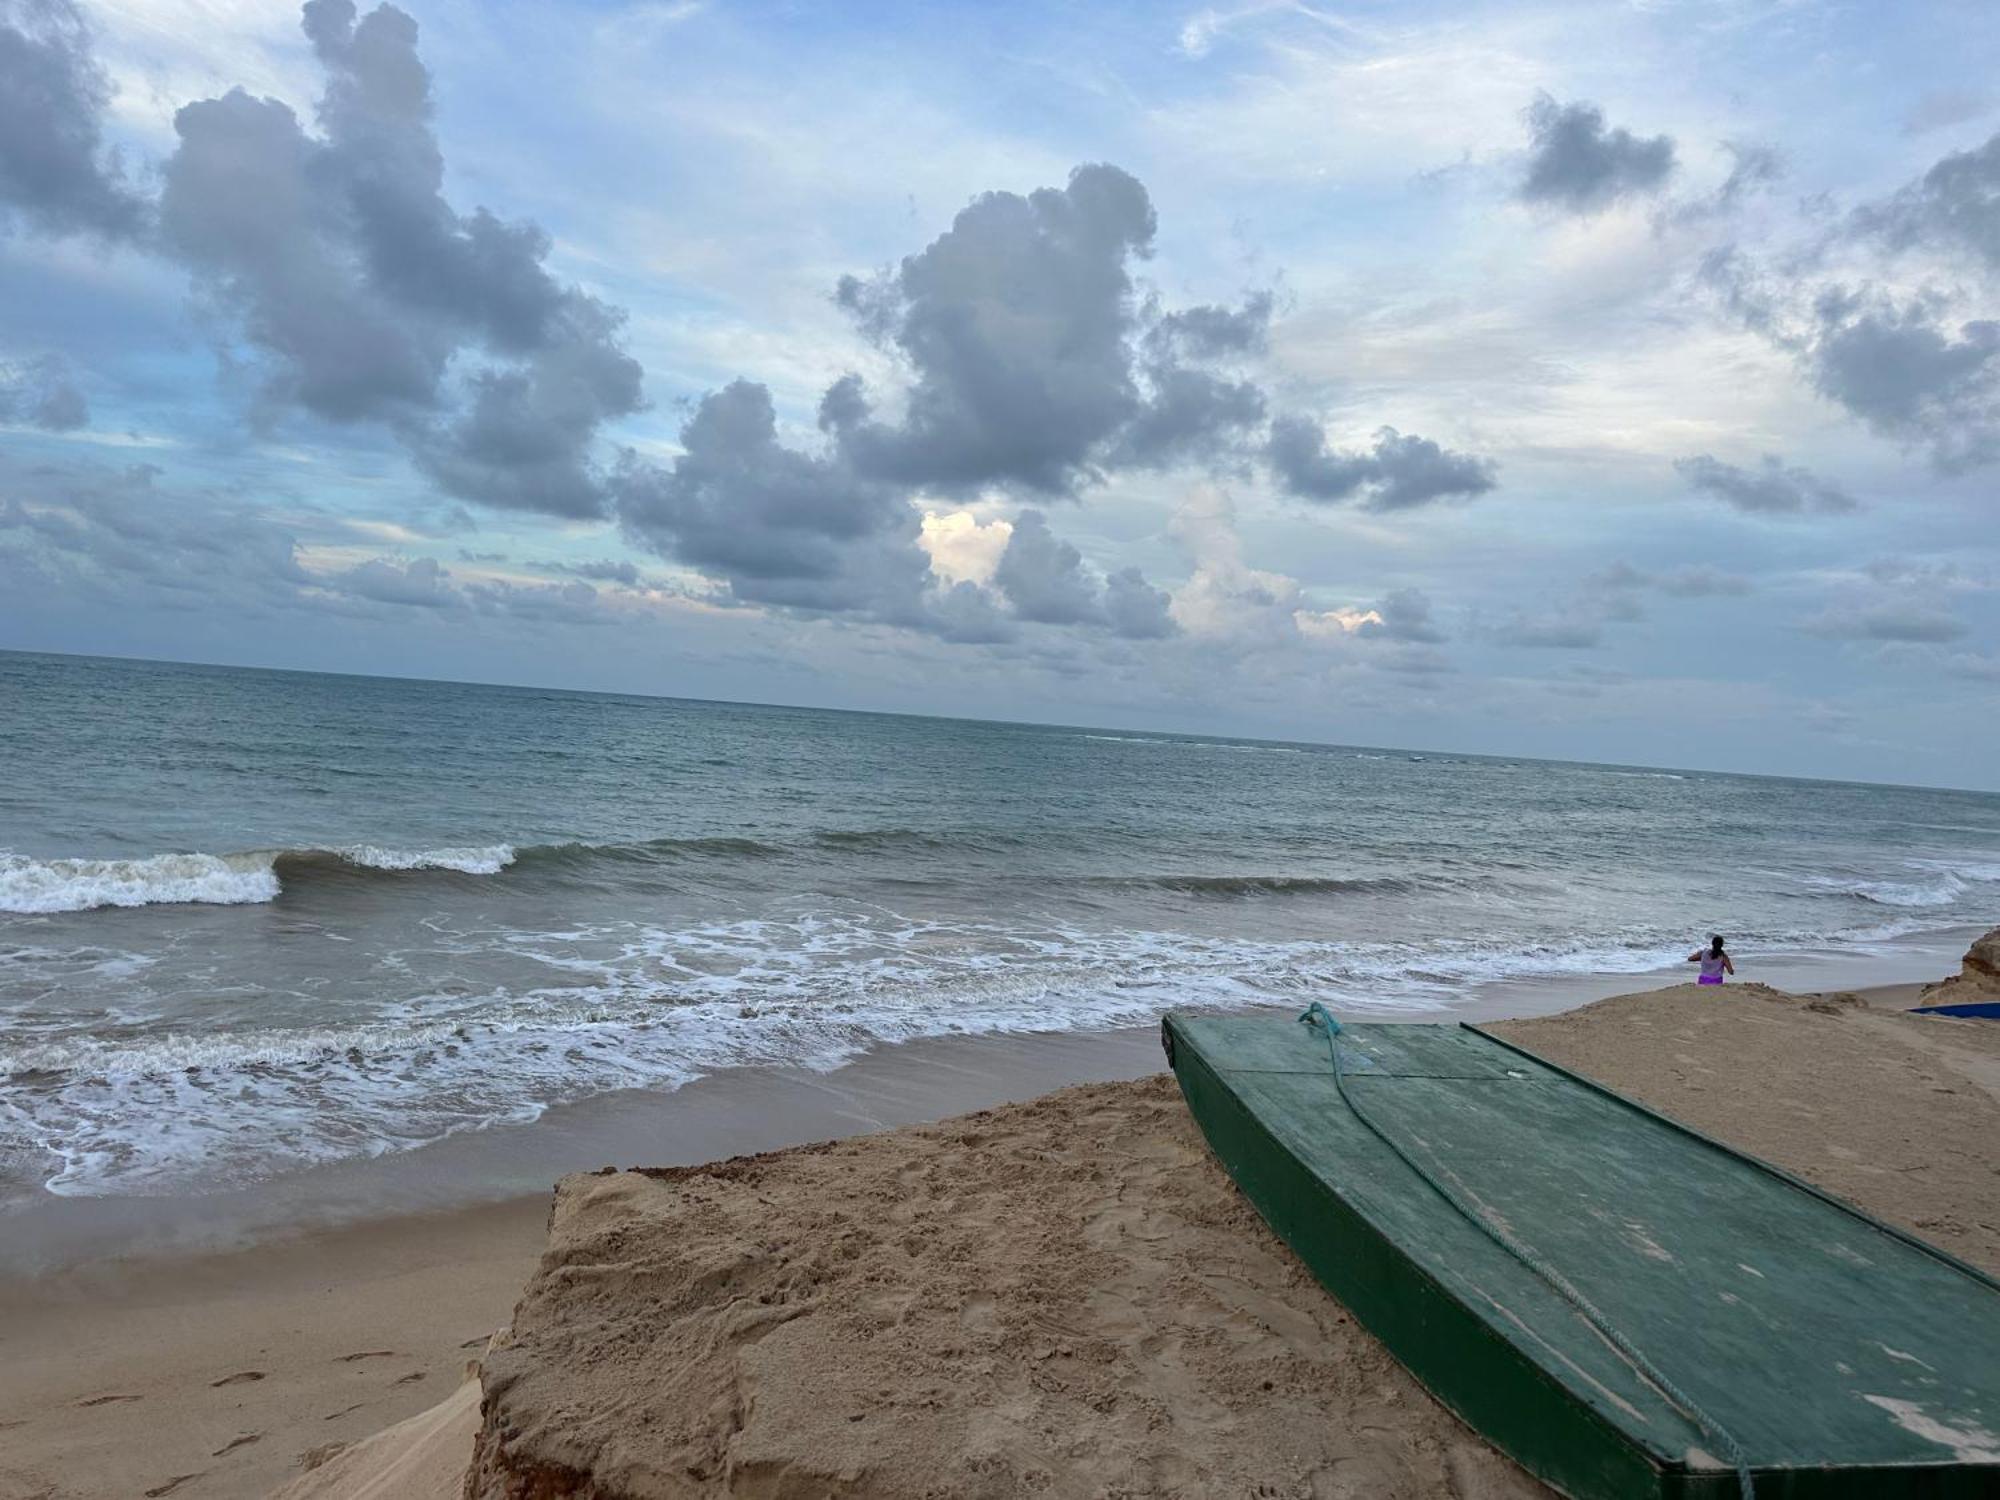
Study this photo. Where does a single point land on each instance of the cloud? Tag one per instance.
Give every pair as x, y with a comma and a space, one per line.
1404, 615
1702, 583
1045, 580
620, 571
1974, 666
1136, 609
1613, 595
1398, 473
1754, 168
1031, 364
1578, 165
40, 393
421, 582
1772, 489
776, 525
114, 533
1910, 354
1887, 622
1554, 632
55, 174
338, 258
1956, 203
1941, 108
1911, 377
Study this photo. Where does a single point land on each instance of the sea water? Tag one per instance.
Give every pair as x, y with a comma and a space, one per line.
256, 921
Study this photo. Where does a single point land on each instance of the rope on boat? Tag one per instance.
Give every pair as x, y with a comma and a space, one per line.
1319, 1017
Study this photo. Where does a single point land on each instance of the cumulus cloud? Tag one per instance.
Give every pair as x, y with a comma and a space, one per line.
40, 393
1045, 580
1398, 473
1910, 375
1773, 488
1031, 362
1578, 164
1404, 615
339, 260
56, 176
1043, 577
776, 525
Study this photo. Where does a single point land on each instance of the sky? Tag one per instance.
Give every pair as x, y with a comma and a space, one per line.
1613, 381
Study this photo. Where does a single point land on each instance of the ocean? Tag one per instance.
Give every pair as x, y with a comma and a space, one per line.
253, 922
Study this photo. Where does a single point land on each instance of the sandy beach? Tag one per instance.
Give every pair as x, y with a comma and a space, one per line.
1063, 1295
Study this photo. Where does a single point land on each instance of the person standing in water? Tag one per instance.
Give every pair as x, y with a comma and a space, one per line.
1714, 962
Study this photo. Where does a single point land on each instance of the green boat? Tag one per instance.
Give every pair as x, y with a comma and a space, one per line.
1623, 1305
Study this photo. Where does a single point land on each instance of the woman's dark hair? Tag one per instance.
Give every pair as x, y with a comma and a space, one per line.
1715, 945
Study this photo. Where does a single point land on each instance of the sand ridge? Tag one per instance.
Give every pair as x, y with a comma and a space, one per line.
1065, 1297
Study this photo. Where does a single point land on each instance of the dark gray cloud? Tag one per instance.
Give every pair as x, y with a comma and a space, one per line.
1907, 373
39, 392
55, 174
1044, 578
1578, 164
1888, 622
1399, 472
1046, 581
1956, 203
1405, 616
1773, 488
1033, 364
338, 258
1136, 609
776, 525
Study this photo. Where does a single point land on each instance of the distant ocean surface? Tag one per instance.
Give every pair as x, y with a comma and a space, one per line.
253, 921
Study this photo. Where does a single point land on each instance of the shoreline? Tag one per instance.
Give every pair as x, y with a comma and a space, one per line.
270, 1357
760, 1108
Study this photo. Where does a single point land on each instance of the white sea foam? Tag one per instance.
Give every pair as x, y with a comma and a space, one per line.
53, 885
154, 1106
487, 859
40, 886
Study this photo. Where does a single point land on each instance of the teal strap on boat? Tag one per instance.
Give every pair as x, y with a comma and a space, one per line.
1318, 1016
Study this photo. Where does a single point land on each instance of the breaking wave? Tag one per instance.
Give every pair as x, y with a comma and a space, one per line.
38, 886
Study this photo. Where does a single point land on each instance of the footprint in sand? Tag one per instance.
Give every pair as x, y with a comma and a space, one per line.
241, 1440
107, 1400
406, 1379
348, 1359
334, 1416
169, 1486
241, 1377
